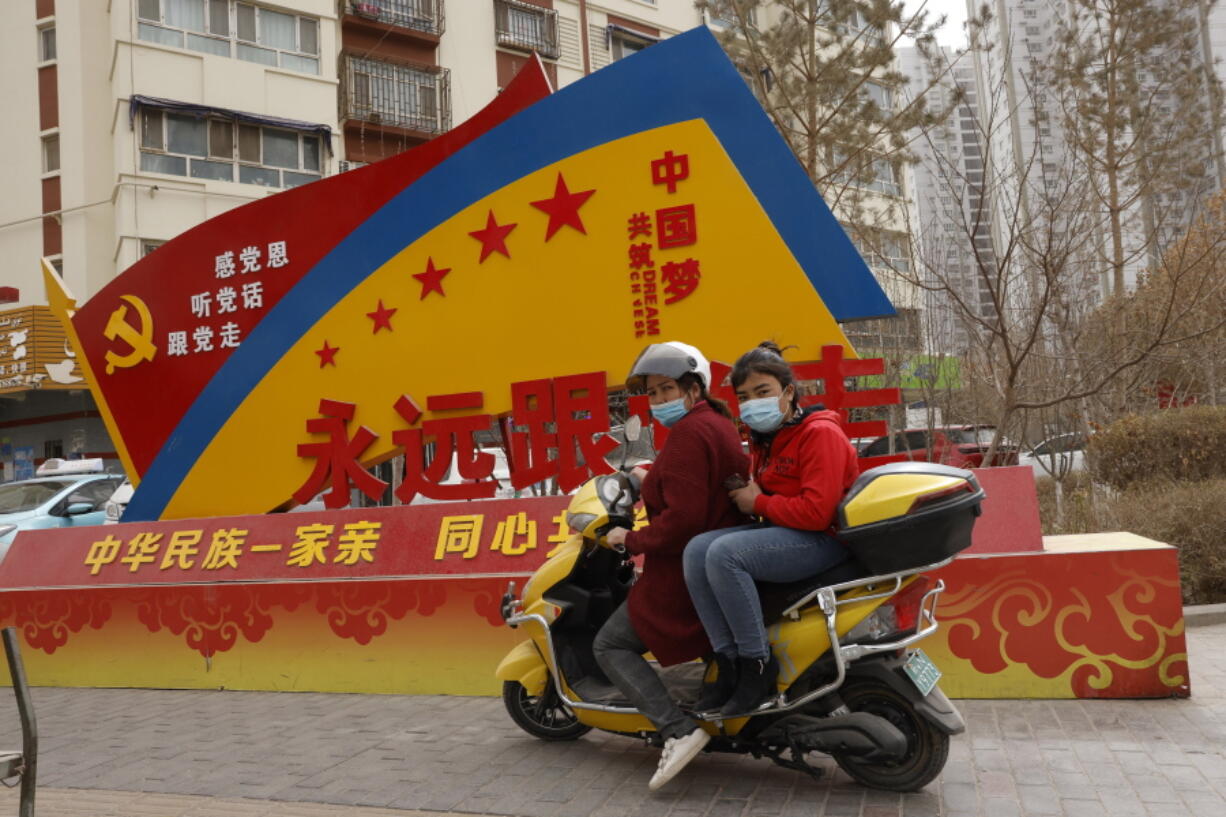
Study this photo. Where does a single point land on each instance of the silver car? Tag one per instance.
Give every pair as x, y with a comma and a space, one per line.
1057, 456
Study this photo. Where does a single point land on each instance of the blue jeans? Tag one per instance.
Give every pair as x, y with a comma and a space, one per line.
720, 569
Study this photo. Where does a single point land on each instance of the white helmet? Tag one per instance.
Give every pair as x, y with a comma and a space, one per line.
671, 359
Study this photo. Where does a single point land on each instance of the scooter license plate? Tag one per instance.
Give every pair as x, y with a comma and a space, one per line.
922, 672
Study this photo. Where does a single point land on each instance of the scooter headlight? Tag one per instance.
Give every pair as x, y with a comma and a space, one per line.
579, 522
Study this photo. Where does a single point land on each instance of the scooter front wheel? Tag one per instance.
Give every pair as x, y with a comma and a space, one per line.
543, 716
927, 746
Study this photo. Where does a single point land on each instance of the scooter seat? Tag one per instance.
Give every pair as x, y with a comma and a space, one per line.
777, 597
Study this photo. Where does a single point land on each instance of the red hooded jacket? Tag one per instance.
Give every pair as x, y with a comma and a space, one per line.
685, 495
804, 472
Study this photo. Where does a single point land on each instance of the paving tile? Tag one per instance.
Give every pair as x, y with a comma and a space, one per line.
1001, 807
1083, 808
167, 753
1039, 800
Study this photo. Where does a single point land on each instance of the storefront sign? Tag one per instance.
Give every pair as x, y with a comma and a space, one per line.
35, 352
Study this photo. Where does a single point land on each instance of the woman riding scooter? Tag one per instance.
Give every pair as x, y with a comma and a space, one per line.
803, 465
684, 495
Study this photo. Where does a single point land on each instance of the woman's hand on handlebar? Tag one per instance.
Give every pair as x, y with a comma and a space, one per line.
639, 473
617, 537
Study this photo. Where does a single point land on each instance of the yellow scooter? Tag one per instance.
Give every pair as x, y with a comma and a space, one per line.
849, 685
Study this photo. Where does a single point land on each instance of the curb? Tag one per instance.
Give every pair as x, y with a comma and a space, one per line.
1202, 615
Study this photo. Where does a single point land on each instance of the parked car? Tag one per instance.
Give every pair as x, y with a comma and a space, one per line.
861, 443
117, 503
1057, 456
960, 446
60, 497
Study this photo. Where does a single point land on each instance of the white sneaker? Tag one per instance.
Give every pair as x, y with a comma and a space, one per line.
677, 753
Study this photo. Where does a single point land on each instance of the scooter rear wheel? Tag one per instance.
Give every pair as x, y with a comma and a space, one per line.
543, 716
927, 746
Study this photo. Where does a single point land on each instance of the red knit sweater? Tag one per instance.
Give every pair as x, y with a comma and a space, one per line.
685, 496
805, 473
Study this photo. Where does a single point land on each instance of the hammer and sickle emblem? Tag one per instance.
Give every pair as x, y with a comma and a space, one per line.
141, 340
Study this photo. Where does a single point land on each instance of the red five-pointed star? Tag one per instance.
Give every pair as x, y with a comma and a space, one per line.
432, 279
382, 317
563, 208
327, 355
493, 238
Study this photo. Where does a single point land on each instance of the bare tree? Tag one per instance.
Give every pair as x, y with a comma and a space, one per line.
825, 71
1182, 301
1011, 261
1138, 108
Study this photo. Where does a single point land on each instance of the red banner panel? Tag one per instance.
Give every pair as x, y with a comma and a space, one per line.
498, 537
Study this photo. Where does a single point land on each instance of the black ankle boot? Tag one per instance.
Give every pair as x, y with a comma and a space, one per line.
755, 682
716, 693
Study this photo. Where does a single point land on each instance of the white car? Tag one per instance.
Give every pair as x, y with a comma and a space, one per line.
1057, 456
118, 502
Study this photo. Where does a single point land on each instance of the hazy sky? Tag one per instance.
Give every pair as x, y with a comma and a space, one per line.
955, 13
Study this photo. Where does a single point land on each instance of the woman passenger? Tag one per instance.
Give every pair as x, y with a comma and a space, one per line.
802, 466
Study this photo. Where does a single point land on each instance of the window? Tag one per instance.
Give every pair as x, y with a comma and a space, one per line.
884, 180
46, 43
51, 154
95, 492
147, 246
207, 148
731, 19
879, 94
878, 175
232, 29
889, 253
413, 97
624, 43
526, 27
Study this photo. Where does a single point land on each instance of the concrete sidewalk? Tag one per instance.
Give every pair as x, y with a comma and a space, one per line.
222, 754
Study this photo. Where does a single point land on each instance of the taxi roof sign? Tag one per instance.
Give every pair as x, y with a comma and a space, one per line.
55, 467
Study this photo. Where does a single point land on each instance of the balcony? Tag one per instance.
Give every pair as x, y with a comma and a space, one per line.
526, 27
406, 96
426, 16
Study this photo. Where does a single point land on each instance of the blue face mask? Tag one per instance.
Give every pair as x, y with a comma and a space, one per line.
668, 413
762, 414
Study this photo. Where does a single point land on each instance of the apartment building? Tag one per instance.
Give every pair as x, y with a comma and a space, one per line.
128, 123
1028, 146
949, 213
410, 69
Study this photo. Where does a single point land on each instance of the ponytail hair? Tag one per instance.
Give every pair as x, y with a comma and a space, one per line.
693, 379
766, 358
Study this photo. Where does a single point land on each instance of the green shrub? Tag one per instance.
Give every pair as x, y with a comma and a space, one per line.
1192, 517
1189, 515
1174, 444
